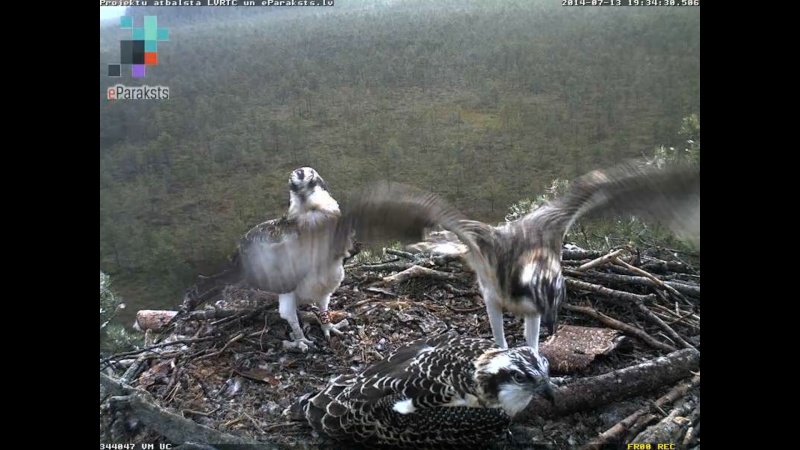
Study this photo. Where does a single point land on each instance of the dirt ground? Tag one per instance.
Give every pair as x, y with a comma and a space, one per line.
239, 379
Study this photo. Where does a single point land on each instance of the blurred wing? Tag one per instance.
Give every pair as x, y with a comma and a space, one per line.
274, 257
396, 211
668, 195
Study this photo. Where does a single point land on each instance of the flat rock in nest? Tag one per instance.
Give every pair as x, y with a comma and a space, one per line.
573, 348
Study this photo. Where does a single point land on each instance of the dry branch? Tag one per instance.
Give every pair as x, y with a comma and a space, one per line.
601, 261
611, 293
589, 393
655, 280
419, 271
400, 253
669, 429
171, 426
684, 288
634, 280
668, 329
659, 266
387, 267
615, 433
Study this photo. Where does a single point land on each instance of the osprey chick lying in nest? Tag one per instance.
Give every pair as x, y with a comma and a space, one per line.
440, 392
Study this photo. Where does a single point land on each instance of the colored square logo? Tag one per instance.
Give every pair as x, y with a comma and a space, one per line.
141, 49
138, 70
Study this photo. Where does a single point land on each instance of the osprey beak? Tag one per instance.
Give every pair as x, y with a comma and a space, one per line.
548, 392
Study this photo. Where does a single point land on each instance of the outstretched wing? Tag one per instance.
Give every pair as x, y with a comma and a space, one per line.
274, 257
668, 195
397, 211
266, 234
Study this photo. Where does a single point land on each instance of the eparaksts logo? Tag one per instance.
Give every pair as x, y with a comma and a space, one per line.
121, 92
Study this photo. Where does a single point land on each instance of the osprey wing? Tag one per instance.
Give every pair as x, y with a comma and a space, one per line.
397, 211
669, 195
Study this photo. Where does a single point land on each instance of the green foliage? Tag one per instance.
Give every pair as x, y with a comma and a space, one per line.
430, 93
526, 206
113, 338
690, 132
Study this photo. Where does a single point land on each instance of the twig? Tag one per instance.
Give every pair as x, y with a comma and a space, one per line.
601, 261
612, 293
380, 291
400, 253
155, 346
172, 387
388, 267
667, 329
461, 292
655, 280
617, 278
622, 326
225, 347
419, 271
613, 434
684, 288
134, 370
660, 266
200, 413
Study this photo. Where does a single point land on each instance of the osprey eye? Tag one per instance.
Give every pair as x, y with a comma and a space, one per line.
519, 378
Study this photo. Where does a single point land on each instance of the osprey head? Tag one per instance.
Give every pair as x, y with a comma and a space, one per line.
305, 180
511, 377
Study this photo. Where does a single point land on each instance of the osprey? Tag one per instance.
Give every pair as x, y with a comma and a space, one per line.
518, 264
439, 392
300, 256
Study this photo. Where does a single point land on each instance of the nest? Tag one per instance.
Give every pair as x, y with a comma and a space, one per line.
219, 374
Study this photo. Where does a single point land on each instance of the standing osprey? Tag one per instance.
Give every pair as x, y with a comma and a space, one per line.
276, 259
518, 264
300, 256
438, 392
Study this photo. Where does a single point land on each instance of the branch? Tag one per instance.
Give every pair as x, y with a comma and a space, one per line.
592, 392
171, 426
615, 433
400, 253
612, 293
668, 329
655, 280
419, 271
601, 261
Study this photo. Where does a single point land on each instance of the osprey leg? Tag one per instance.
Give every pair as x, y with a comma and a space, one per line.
532, 323
287, 307
325, 318
496, 321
